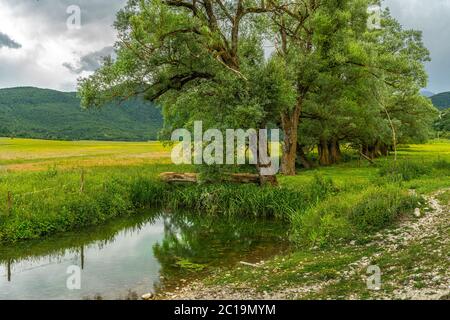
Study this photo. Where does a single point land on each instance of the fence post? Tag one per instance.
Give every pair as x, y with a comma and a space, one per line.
9, 203
82, 181
8, 267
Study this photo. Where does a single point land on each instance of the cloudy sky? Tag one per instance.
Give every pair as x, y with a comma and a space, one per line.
38, 49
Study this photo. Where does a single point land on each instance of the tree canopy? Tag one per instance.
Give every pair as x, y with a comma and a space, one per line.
327, 79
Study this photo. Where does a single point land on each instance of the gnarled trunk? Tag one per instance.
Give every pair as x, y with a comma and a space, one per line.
324, 154
302, 157
289, 123
375, 150
267, 174
334, 151
329, 152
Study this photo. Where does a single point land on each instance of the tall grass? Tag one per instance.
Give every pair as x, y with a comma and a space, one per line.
351, 216
404, 170
112, 193
232, 199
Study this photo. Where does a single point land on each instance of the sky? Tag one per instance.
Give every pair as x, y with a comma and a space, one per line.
38, 48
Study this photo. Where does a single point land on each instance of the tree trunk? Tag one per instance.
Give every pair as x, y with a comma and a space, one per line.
289, 123
334, 151
375, 150
384, 149
304, 161
324, 153
369, 151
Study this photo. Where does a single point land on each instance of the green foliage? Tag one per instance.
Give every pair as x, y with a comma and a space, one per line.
350, 216
47, 114
404, 170
190, 266
347, 83
230, 199
442, 164
441, 100
442, 124
49, 214
113, 193
379, 207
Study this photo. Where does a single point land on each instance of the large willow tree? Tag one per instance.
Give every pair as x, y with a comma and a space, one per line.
205, 60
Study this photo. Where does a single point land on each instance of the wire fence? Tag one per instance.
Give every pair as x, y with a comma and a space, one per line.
12, 197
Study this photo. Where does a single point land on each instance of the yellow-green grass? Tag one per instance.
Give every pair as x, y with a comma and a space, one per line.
20, 157
38, 155
361, 172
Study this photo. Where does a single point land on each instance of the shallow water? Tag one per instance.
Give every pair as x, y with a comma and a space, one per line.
131, 256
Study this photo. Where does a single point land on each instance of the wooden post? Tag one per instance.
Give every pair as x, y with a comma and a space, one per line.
9, 203
9, 270
82, 257
82, 181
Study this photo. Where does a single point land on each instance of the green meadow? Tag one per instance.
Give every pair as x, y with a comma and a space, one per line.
49, 187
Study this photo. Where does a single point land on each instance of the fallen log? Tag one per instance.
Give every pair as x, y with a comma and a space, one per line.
174, 177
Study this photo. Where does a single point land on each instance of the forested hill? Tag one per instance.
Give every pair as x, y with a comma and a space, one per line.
47, 114
441, 100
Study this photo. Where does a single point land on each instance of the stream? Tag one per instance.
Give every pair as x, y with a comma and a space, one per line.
134, 255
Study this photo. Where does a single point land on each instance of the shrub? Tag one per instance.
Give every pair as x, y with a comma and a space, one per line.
404, 170
321, 224
379, 207
350, 216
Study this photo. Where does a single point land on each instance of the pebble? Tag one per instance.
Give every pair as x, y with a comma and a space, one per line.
147, 296
417, 212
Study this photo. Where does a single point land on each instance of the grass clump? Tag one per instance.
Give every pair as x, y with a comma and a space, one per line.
232, 199
40, 215
404, 170
379, 207
442, 164
350, 216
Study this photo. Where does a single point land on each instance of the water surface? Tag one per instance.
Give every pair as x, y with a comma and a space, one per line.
131, 256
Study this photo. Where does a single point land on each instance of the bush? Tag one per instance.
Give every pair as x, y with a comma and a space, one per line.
379, 207
321, 224
404, 170
350, 216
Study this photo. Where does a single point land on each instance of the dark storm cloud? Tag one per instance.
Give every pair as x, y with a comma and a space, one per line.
6, 41
91, 61
40, 27
49, 46
96, 16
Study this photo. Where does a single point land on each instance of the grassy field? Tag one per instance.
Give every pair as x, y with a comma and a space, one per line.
333, 212
37, 155
57, 186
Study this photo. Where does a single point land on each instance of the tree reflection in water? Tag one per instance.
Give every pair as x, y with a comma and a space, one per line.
191, 242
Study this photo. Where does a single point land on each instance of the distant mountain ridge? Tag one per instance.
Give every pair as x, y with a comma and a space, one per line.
427, 93
441, 100
30, 112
